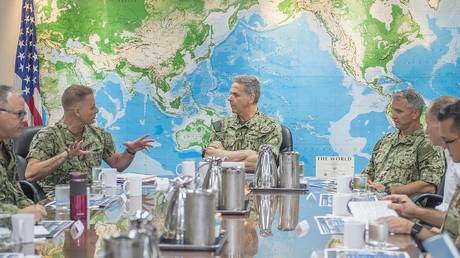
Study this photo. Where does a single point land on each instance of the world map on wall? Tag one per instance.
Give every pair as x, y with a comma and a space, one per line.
327, 67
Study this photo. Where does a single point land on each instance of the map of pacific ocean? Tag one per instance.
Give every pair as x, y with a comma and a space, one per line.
327, 67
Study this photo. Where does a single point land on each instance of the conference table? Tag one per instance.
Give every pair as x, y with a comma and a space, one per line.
270, 234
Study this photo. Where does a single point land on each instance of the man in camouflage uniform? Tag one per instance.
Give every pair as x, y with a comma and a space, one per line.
405, 162
75, 143
239, 137
449, 221
12, 199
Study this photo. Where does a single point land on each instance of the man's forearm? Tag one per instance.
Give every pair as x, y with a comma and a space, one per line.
414, 187
37, 169
430, 216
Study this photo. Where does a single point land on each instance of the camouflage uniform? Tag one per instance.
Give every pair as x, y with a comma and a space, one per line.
11, 195
452, 220
409, 159
260, 129
54, 139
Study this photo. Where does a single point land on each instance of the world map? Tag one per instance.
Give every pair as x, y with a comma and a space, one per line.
327, 67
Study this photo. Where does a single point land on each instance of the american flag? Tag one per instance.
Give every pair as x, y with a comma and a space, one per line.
26, 69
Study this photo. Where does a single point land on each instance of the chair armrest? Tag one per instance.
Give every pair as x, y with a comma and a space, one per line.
427, 200
32, 190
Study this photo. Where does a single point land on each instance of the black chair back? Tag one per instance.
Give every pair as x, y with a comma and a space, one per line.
286, 143
22, 143
21, 148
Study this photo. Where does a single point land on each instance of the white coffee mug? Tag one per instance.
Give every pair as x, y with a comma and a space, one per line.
108, 177
133, 203
354, 234
344, 184
133, 186
23, 225
340, 204
186, 168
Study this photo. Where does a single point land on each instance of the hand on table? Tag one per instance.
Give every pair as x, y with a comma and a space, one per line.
403, 205
37, 210
398, 225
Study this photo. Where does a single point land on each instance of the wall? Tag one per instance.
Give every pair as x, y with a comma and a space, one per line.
10, 15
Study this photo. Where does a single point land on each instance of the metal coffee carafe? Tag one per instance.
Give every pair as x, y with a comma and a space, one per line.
174, 222
288, 170
143, 231
266, 174
213, 179
233, 188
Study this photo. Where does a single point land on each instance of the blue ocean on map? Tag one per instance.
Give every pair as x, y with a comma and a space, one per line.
302, 86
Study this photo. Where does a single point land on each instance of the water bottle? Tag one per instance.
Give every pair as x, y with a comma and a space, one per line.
78, 199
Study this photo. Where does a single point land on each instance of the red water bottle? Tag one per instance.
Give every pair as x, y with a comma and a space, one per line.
78, 199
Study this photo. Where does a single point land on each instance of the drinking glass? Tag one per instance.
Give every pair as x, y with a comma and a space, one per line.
62, 196
360, 184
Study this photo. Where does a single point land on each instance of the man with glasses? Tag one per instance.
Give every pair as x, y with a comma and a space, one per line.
75, 143
12, 199
449, 118
405, 162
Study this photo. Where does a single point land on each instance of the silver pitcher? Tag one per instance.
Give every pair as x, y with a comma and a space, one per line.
233, 188
199, 217
266, 174
213, 179
143, 231
174, 221
288, 170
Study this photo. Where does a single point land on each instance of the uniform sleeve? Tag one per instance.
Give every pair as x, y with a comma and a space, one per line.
430, 163
8, 208
42, 147
11, 193
109, 145
274, 138
370, 168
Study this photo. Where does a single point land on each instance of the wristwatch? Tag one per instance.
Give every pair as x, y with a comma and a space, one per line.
387, 189
416, 228
132, 153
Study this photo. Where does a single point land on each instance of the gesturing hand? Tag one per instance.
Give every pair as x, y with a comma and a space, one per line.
75, 150
140, 143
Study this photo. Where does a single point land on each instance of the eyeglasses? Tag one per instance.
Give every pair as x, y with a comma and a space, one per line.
451, 141
19, 114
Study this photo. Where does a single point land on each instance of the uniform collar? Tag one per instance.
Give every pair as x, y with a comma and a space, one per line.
236, 120
410, 139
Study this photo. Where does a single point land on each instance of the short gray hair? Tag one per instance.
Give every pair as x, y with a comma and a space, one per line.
252, 85
5, 90
413, 98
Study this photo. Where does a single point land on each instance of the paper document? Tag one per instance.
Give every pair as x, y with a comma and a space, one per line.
369, 211
329, 225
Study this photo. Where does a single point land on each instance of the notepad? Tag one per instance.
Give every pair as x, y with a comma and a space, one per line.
369, 211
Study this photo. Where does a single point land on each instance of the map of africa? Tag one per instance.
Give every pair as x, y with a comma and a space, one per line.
327, 67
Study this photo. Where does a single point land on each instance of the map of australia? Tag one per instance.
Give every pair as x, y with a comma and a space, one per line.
164, 67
